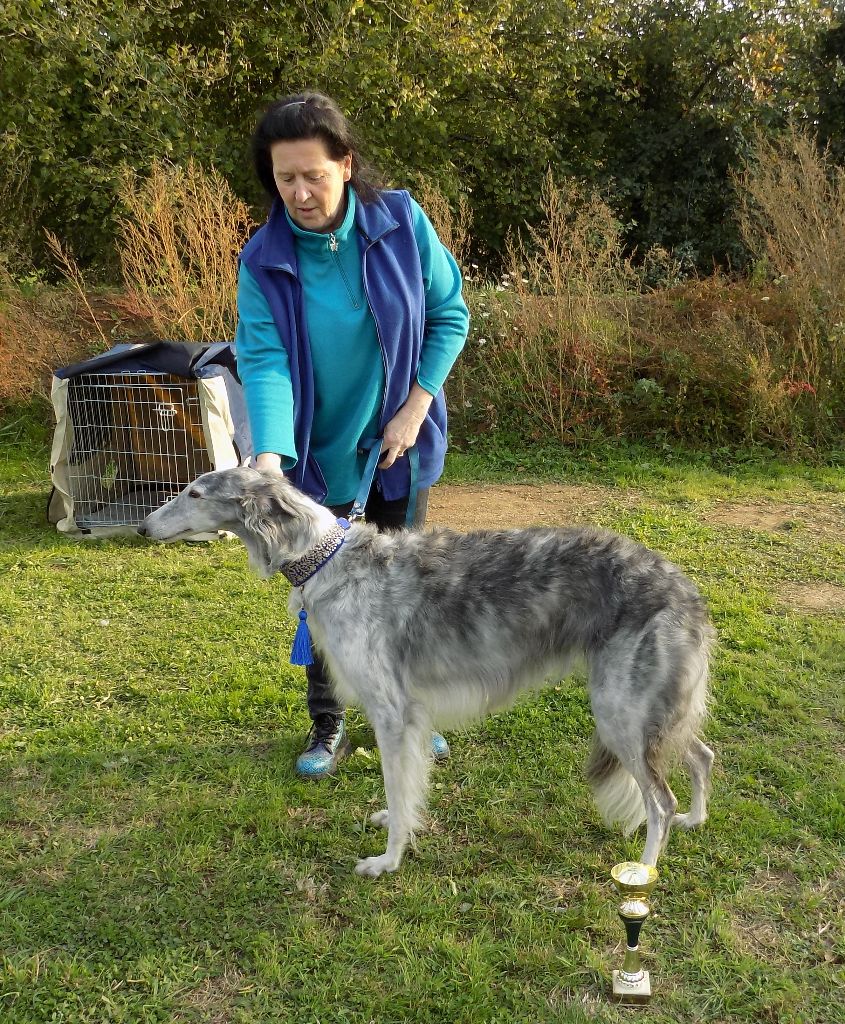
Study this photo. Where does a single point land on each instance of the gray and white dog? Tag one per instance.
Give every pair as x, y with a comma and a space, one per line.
426, 630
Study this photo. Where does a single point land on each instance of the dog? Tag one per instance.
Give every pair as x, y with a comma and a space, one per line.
435, 629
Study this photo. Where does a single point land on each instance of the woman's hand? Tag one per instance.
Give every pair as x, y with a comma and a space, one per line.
400, 434
269, 461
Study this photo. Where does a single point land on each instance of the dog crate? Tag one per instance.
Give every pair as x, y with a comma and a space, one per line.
135, 426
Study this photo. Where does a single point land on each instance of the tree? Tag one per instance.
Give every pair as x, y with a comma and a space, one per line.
655, 101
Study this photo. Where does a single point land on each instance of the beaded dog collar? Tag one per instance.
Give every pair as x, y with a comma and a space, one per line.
312, 561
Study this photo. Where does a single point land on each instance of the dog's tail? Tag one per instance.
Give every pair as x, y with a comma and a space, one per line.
615, 791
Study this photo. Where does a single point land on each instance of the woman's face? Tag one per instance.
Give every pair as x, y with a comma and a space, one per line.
310, 182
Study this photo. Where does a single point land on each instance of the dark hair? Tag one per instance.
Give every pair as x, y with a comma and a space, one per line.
309, 115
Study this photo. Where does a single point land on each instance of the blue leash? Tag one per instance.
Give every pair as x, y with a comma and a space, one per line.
373, 445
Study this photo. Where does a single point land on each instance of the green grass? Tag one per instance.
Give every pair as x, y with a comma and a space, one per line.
159, 861
671, 469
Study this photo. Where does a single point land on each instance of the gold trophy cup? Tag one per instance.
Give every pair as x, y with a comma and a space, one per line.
634, 882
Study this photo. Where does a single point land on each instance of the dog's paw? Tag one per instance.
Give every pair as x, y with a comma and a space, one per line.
686, 821
381, 819
375, 866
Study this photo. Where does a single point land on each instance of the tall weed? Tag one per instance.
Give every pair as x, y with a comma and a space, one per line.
572, 340
793, 220
453, 226
553, 330
178, 245
703, 364
38, 333
73, 275
575, 341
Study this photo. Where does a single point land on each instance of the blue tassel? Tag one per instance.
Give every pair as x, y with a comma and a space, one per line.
301, 651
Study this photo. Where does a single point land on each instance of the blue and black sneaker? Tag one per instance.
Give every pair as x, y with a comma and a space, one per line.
327, 746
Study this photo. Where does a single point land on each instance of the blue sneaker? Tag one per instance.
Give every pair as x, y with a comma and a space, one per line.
327, 746
439, 747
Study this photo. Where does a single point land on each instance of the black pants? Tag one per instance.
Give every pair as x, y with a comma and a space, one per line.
386, 515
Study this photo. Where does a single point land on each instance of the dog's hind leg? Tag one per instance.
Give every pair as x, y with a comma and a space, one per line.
628, 787
699, 762
405, 761
660, 805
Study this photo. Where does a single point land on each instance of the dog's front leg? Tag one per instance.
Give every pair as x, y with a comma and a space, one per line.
405, 761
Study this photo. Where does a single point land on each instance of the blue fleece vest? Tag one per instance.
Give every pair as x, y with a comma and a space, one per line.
394, 287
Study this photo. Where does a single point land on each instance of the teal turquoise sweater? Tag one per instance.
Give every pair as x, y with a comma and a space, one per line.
345, 349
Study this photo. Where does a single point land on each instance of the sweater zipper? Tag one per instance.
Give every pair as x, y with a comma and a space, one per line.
333, 249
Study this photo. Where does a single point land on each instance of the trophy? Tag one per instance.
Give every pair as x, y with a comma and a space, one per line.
634, 882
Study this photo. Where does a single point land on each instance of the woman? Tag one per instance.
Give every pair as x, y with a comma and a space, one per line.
350, 318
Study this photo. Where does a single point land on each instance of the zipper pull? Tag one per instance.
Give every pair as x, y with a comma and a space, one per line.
333, 242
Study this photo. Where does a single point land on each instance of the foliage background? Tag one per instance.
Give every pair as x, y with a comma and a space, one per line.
653, 103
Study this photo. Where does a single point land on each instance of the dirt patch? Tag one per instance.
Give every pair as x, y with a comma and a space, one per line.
214, 997
496, 507
827, 521
503, 506
755, 517
822, 598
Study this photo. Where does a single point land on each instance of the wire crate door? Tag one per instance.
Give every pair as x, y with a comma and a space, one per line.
138, 439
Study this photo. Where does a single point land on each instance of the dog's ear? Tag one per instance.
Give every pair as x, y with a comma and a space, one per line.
264, 501
257, 509
262, 511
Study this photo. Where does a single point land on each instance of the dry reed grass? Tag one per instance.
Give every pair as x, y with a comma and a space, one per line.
704, 348
793, 220
558, 320
453, 227
73, 275
35, 339
178, 246
574, 342
570, 342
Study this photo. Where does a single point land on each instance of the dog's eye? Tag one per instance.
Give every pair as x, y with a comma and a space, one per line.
194, 493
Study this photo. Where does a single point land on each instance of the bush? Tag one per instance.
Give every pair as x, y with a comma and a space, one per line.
572, 343
549, 331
